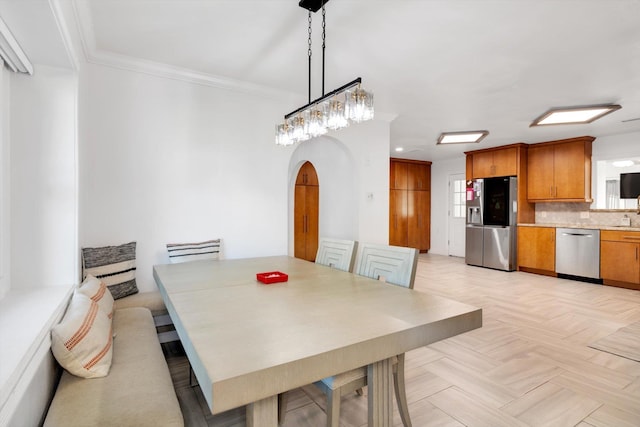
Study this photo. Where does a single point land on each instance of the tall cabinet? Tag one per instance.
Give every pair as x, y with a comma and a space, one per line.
305, 213
410, 204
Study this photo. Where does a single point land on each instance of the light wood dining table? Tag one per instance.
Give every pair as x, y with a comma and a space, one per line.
247, 341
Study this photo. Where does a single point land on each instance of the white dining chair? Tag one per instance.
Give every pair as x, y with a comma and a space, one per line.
336, 253
394, 265
183, 252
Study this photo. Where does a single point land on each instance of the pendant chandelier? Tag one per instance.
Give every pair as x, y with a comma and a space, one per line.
337, 109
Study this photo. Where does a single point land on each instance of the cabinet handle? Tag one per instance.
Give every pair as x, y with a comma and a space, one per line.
631, 238
551, 191
636, 253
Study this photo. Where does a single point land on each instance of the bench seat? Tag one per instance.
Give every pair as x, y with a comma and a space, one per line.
138, 390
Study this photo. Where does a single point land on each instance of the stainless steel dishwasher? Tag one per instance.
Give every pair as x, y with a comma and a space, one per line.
578, 253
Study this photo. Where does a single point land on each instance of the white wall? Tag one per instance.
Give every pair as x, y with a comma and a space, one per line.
164, 161
353, 170
440, 171
43, 178
168, 161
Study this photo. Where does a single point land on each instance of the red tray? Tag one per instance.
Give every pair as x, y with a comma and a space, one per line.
272, 277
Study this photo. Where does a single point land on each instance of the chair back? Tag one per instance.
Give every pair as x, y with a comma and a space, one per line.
396, 265
336, 253
183, 252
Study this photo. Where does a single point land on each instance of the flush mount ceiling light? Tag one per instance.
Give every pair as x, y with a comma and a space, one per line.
334, 110
623, 163
462, 137
574, 115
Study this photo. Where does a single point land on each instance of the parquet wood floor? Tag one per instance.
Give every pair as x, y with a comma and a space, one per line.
529, 365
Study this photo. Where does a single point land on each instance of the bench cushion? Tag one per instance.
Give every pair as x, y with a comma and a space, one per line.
151, 300
138, 390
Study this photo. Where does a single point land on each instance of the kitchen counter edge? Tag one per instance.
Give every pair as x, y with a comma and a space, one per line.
584, 226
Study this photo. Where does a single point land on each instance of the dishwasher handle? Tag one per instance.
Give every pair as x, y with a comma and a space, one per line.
577, 234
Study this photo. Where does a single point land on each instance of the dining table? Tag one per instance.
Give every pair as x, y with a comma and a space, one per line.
247, 341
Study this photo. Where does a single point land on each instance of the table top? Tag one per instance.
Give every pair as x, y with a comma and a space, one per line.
247, 341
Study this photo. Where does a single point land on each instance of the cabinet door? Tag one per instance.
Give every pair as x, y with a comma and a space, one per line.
540, 185
398, 227
299, 222
505, 162
311, 238
537, 248
619, 261
483, 165
419, 218
398, 175
418, 176
307, 175
305, 222
569, 171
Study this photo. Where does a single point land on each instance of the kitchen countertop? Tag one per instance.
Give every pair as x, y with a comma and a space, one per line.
585, 226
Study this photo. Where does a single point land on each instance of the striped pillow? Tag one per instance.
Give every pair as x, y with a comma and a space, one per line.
82, 341
96, 290
115, 266
182, 252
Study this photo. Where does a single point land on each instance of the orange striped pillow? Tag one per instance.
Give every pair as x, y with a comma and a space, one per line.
97, 291
82, 341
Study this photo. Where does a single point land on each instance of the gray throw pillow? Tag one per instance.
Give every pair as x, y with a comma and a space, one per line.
114, 265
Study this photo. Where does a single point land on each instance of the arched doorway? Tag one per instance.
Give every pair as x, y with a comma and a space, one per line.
305, 213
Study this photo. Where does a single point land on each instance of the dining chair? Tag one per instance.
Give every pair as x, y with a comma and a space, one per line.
337, 253
183, 252
394, 265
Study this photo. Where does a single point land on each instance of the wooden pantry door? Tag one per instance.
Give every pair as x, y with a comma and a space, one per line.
305, 213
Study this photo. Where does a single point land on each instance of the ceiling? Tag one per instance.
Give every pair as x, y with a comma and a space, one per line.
434, 65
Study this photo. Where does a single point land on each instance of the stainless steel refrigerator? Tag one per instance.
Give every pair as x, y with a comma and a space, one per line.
492, 205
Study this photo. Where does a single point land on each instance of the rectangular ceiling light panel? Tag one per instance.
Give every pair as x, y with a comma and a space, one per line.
574, 115
462, 137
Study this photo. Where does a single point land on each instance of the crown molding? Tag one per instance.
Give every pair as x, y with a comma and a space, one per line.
63, 28
96, 56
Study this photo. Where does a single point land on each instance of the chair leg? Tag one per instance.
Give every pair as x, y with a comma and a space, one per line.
282, 407
333, 408
401, 393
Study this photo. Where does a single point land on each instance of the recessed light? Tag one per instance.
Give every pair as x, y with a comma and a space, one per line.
574, 115
399, 149
623, 163
466, 137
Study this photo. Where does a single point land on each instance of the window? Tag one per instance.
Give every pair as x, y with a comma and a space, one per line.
459, 203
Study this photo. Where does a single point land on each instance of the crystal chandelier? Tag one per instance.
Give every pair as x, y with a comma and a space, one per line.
334, 110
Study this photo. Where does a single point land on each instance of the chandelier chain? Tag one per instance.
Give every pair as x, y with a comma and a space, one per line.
309, 53
324, 24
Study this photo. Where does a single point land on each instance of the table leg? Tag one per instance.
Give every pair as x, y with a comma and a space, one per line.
263, 413
380, 379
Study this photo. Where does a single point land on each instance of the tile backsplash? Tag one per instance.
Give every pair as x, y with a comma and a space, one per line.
580, 213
